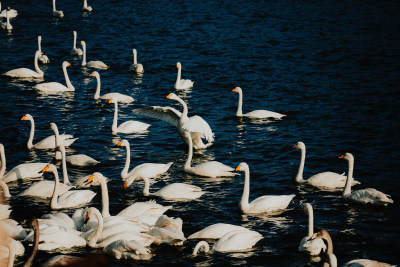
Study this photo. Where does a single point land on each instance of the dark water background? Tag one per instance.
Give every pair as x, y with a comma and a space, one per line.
331, 66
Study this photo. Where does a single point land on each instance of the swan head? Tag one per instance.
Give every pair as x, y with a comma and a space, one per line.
134, 51
82, 43
95, 74
53, 126
90, 213
299, 145
66, 64
307, 207
242, 167
172, 96
38, 53
237, 89
39, 38
49, 168
348, 156
178, 65
26, 117
123, 143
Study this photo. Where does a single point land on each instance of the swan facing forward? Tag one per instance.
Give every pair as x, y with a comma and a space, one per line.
262, 204
362, 196
55, 86
74, 50
91, 64
136, 67
25, 73
181, 83
116, 96
57, 13
324, 179
256, 114
127, 126
43, 58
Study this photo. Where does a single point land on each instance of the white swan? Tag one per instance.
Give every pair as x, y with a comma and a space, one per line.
216, 231
7, 26
257, 114
127, 126
48, 142
43, 58
206, 169
74, 50
70, 199
55, 86
2, 162
149, 170
81, 160
136, 67
182, 83
175, 191
13, 229
57, 13
27, 73
269, 203
117, 96
85, 7
324, 179
311, 246
91, 64
12, 13
129, 250
59, 141
196, 125
362, 196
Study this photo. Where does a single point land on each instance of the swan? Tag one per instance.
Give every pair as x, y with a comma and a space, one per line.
181, 83
324, 179
196, 125
136, 67
216, 231
207, 169
269, 203
311, 246
81, 160
48, 142
167, 235
70, 199
6, 191
127, 126
3, 166
7, 26
175, 191
74, 50
91, 64
27, 73
362, 196
85, 7
257, 114
123, 249
12, 229
12, 13
57, 13
149, 170
55, 86
59, 141
231, 241
43, 58
116, 96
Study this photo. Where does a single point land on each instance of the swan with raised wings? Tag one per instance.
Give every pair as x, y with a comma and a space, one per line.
136, 67
127, 126
55, 86
324, 179
74, 50
256, 114
7, 26
12, 13
25, 73
97, 64
117, 96
43, 58
196, 125
269, 203
57, 13
85, 7
182, 83
362, 196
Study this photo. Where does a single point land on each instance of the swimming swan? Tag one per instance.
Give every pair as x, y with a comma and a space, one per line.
27, 73
43, 58
269, 203
57, 13
136, 67
85, 7
258, 114
181, 83
55, 86
127, 126
117, 96
74, 50
216, 231
91, 64
362, 196
7, 26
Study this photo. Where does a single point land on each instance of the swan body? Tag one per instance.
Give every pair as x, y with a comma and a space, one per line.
182, 83
12, 229
85, 7
53, 238
24, 171
27, 73
196, 125
216, 231
167, 235
44, 189
329, 180
58, 218
129, 250
57, 13
74, 50
366, 263
43, 58
143, 208
116, 96
206, 169
91, 64
256, 114
81, 160
59, 141
7, 26
57, 87
362, 196
12, 13
5, 211
269, 203
136, 67
127, 126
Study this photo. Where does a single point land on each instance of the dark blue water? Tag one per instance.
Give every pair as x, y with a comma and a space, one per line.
332, 66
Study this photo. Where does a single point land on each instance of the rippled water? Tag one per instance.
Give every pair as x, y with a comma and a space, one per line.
332, 67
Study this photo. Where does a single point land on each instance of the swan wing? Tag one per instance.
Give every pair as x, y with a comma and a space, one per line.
370, 195
216, 231
24, 171
22, 73
123, 249
75, 198
166, 114
149, 170
120, 98
52, 87
180, 191
313, 247
132, 127
270, 203
366, 263
139, 208
237, 241
81, 160
329, 180
97, 64
199, 125
44, 189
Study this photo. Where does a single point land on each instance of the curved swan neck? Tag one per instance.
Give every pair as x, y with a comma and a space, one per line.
146, 187
178, 78
190, 152
115, 119
6, 191
105, 209
310, 220
244, 202
92, 242
36, 64
74, 47
67, 81
97, 93
84, 53
347, 187
185, 109
299, 176
240, 103
124, 172
202, 244
134, 56
54, 198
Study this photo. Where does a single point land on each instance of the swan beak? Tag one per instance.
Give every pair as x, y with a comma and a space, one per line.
119, 143
45, 168
294, 146
342, 156
109, 101
233, 90
177, 65
91, 74
41, 52
90, 179
23, 118
125, 185
69, 64
86, 218
237, 168
169, 96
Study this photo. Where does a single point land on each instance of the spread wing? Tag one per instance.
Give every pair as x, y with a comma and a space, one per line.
199, 125
167, 114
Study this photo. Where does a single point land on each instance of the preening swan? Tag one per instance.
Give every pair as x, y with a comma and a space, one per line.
27, 73
257, 114
129, 250
91, 64
362, 196
57, 13
262, 204
74, 50
43, 58
136, 67
48, 142
85, 7
216, 231
196, 125
181, 83
81, 160
116, 96
57, 87
323, 179
207, 169
7, 26
127, 126
12, 13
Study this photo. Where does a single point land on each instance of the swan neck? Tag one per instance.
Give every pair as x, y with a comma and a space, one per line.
185, 109
244, 202
6, 191
39, 45
299, 176
74, 47
54, 5
29, 261
64, 168
146, 187
67, 81
202, 244
85, 3
347, 187
99, 229
240, 103
105, 209
134, 57
11, 255
57, 136
115, 119
54, 198
36, 64
97, 93
124, 172
84, 55
178, 78
310, 221
2, 162
190, 153
31, 134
